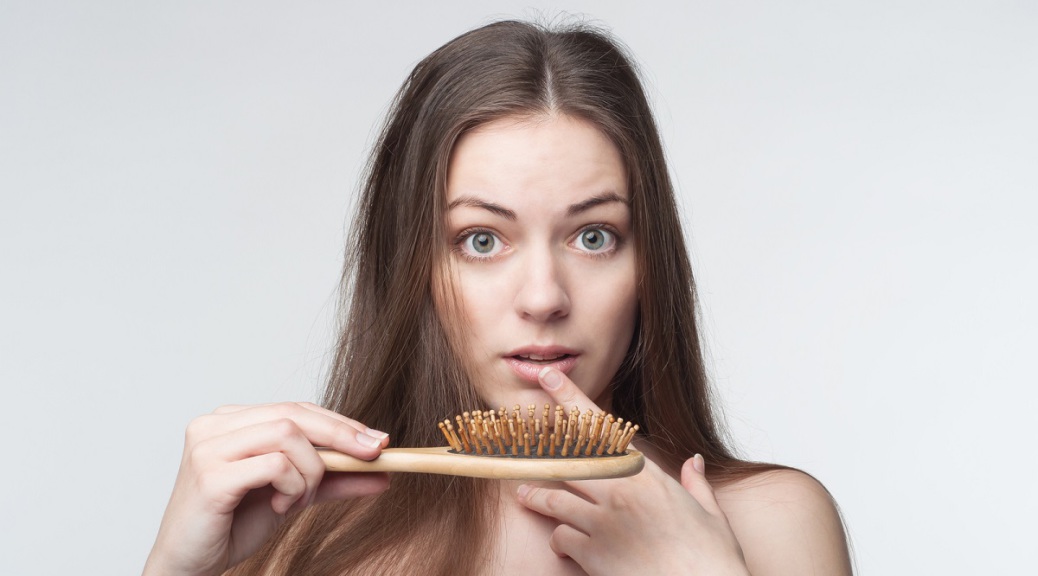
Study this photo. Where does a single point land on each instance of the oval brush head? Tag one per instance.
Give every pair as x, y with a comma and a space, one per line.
496, 444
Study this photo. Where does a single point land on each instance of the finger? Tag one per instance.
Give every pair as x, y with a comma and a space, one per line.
693, 479
333, 414
563, 391
226, 485
567, 541
559, 504
343, 485
320, 429
288, 408
602, 491
282, 436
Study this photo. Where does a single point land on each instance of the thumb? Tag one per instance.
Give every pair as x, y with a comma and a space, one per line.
563, 391
693, 479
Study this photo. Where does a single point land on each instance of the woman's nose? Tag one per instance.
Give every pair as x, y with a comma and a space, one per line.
542, 293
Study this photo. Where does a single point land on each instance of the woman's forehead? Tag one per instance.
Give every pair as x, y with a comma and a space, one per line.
555, 156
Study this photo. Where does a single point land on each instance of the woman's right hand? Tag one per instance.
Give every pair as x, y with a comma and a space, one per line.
244, 470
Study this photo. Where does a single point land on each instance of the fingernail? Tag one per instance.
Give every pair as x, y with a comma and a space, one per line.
699, 464
369, 441
524, 489
551, 378
376, 433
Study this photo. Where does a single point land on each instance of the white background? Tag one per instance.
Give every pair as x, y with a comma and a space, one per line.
858, 179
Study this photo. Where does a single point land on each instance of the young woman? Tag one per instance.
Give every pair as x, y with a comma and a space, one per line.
517, 242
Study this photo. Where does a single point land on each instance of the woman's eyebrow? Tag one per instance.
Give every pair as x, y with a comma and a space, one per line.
477, 203
572, 210
598, 200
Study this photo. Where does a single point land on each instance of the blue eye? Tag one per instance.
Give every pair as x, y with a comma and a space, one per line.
482, 242
479, 244
595, 240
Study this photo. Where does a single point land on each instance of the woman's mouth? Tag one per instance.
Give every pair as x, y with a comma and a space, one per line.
540, 358
528, 364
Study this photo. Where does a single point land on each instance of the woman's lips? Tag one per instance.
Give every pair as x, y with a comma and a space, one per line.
527, 365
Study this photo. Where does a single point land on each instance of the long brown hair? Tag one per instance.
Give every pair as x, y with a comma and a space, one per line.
395, 369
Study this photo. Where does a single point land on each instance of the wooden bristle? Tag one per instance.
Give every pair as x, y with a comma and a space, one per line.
506, 429
463, 435
606, 430
550, 434
627, 439
617, 438
450, 441
476, 446
555, 434
497, 438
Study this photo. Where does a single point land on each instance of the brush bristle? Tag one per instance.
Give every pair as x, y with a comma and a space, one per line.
552, 435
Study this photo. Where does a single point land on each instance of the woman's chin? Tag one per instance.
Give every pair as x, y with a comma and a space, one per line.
509, 398
521, 400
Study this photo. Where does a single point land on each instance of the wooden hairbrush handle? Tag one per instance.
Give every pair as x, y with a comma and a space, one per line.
439, 461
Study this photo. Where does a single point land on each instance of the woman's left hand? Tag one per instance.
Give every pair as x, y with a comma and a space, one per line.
644, 524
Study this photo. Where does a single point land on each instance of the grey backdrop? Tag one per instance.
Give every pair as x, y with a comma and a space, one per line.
858, 179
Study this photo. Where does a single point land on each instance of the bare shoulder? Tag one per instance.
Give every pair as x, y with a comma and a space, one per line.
786, 523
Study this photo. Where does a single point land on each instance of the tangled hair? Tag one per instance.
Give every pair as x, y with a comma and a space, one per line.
395, 369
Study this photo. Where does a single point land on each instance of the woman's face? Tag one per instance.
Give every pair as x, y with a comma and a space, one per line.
542, 256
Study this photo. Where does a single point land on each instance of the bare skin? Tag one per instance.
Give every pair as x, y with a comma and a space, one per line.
773, 524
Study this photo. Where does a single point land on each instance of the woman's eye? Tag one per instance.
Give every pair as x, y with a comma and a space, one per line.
595, 240
481, 244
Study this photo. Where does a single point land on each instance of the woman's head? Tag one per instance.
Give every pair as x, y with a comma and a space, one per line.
522, 76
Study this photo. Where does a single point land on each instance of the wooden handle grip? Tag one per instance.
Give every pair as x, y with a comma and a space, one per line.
439, 461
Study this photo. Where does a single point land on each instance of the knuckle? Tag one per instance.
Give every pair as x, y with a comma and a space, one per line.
558, 541
196, 429
312, 472
283, 428
198, 455
552, 501
621, 501
340, 430
558, 534
278, 464
284, 409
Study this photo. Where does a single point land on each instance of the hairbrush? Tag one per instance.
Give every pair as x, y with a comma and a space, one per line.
496, 444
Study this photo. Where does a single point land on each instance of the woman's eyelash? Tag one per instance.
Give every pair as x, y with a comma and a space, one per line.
458, 246
617, 238
464, 235
469, 232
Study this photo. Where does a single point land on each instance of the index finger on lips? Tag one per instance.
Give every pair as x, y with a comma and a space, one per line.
564, 391
320, 427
